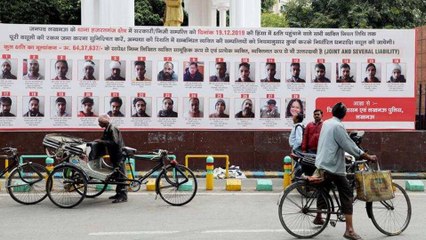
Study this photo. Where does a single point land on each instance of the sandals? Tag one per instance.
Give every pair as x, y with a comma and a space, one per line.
352, 236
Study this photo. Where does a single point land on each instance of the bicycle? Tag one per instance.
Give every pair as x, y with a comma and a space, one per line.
26, 182
297, 211
70, 180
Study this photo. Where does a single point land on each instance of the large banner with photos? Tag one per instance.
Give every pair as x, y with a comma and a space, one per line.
189, 78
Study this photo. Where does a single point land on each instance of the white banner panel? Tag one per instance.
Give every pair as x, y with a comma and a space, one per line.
61, 77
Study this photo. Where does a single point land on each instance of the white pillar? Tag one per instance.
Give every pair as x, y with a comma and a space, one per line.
222, 16
223, 7
213, 17
245, 13
108, 12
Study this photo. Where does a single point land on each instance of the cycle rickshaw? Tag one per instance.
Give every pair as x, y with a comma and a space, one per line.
81, 173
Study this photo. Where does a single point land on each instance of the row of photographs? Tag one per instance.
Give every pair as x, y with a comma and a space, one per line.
196, 71
194, 107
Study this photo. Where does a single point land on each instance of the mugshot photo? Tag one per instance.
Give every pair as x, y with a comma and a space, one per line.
167, 107
244, 108
115, 70
270, 108
372, 72
9, 69
219, 71
294, 106
271, 72
61, 69
141, 107
8, 106
193, 71
296, 72
88, 69
219, 108
193, 107
345, 72
114, 106
61, 106
168, 71
142, 71
33, 106
321, 72
396, 72
245, 72
88, 106
33, 69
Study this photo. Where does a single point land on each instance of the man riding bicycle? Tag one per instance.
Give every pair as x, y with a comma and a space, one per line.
330, 162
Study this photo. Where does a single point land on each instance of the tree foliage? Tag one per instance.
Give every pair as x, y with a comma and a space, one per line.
267, 5
41, 11
355, 13
273, 20
149, 12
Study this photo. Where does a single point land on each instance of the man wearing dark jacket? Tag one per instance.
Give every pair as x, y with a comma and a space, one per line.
114, 143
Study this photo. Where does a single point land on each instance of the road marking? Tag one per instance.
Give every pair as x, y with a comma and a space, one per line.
244, 231
173, 232
131, 233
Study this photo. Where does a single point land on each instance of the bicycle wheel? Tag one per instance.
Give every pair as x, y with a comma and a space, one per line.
62, 186
26, 184
297, 211
391, 217
176, 185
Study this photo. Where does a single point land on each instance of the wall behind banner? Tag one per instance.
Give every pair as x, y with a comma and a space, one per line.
251, 150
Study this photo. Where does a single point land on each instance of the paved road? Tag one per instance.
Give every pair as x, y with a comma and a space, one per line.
215, 214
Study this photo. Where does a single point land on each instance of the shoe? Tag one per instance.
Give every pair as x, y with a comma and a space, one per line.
318, 221
352, 236
114, 196
120, 199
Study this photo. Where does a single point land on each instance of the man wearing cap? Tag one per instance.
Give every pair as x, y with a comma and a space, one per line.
61, 107
140, 69
6, 68
89, 70
61, 68
33, 71
247, 109
220, 107
87, 106
167, 74
34, 108
270, 110
113, 141
167, 110
6, 103
396, 74
115, 104
115, 67
140, 106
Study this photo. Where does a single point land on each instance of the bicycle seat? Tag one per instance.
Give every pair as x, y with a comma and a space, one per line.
10, 151
129, 151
